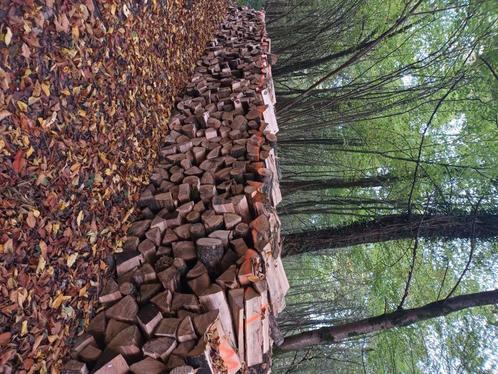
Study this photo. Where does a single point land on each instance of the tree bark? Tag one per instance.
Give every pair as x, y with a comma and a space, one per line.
399, 318
393, 227
323, 184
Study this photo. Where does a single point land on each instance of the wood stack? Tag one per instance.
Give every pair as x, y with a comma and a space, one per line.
200, 276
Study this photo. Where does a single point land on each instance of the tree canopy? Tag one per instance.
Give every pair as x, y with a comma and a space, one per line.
387, 109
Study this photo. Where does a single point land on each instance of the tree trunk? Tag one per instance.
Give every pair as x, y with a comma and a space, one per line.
399, 318
394, 227
324, 184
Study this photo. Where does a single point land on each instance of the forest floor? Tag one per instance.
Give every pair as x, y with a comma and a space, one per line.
86, 91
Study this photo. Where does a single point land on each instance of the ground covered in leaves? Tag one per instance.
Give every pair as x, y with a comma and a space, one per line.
86, 90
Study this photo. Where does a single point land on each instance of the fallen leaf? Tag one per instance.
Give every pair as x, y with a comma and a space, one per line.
31, 220
8, 37
57, 302
24, 328
22, 105
4, 114
5, 338
71, 259
79, 218
19, 161
41, 264
25, 52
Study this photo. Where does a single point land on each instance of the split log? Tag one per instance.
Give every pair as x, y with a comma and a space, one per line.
185, 301
83, 341
163, 301
159, 348
148, 249
127, 342
148, 366
110, 292
214, 298
185, 250
97, 327
167, 327
185, 330
210, 252
76, 367
236, 303
111, 362
125, 310
253, 328
148, 318
90, 354
169, 278
127, 260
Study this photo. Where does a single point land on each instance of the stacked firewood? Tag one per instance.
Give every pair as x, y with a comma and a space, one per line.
199, 279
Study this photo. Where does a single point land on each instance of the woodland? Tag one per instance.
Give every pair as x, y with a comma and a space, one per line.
387, 156
388, 119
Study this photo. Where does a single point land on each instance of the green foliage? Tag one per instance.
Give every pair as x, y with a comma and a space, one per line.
380, 117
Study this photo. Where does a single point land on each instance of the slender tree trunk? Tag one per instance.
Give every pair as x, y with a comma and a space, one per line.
399, 318
393, 227
323, 184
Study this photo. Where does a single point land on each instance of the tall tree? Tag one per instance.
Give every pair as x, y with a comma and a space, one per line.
398, 318
394, 227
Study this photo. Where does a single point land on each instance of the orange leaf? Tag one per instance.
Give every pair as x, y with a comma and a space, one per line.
5, 338
19, 161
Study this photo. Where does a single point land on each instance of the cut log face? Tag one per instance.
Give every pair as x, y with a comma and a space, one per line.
148, 366
148, 291
139, 228
184, 348
148, 318
229, 278
186, 330
224, 235
125, 310
185, 301
197, 270
202, 322
90, 354
154, 235
175, 361
83, 341
185, 250
239, 246
200, 284
231, 220
159, 348
164, 200
144, 274
127, 342
148, 249
131, 243
199, 357
210, 252
169, 278
167, 327
163, 301
158, 223
74, 367
127, 260
185, 369
97, 327
214, 299
111, 362
114, 327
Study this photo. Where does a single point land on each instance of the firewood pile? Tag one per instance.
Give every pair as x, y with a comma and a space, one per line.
199, 280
